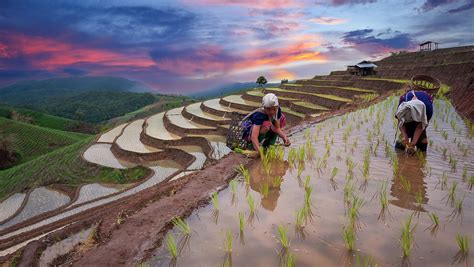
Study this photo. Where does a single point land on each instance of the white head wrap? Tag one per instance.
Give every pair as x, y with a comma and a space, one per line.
270, 100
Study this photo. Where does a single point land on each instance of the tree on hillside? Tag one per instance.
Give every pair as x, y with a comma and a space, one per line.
8, 157
261, 81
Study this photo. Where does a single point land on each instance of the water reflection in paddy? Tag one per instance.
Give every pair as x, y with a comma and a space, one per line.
338, 144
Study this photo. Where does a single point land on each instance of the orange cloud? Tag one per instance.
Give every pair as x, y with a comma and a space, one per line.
51, 54
328, 20
281, 74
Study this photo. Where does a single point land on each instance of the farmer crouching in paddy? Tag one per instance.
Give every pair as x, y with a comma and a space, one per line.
415, 109
264, 125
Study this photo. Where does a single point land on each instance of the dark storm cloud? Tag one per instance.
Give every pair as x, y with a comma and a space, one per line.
100, 26
462, 8
365, 40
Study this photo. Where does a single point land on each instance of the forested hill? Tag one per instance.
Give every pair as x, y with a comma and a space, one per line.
87, 99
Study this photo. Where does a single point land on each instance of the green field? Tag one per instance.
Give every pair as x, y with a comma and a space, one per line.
63, 166
45, 120
31, 141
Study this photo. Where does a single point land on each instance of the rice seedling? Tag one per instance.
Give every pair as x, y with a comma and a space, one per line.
181, 225
271, 152
301, 154
453, 162
307, 133
348, 191
349, 235
292, 154
301, 216
464, 173
307, 182
458, 204
242, 170
307, 197
241, 222
471, 182
366, 261
419, 198
277, 180
215, 201
444, 134
464, 243
280, 153
334, 172
406, 240
443, 181
228, 241
353, 210
366, 163
264, 189
121, 216
251, 203
452, 192
282, 233
444, 150
383, 195
300, 168
288, 260
310, 150
233, 187
406, 184
171, 245
434, 218
395, 165
265, 161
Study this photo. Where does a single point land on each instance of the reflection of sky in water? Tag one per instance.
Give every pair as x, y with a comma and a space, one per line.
323, 244
39, 201
10, 205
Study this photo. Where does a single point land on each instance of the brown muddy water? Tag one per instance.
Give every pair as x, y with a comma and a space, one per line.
419, 187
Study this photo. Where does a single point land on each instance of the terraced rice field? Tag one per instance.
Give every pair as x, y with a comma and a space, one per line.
196, 151
195, 110
9, 206
302, 94
171, 126
40, 200
90, 192
156, 128
343, 196
214, 104
237, 99
101, 154
130, 139
177, 119
110, 136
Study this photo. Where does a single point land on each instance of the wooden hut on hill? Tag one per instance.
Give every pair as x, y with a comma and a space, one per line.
362, 68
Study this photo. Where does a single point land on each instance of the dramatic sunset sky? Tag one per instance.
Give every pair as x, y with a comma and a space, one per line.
183, 46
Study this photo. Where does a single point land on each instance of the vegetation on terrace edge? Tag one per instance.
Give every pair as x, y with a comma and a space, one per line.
64, 166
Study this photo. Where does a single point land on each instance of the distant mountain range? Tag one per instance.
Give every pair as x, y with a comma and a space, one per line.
227, 89
37, 90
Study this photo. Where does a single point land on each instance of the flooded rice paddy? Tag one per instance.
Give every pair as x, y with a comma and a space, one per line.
342, 195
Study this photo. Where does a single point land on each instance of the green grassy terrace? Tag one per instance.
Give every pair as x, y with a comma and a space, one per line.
64, 166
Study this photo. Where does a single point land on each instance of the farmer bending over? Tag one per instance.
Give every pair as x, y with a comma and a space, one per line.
414, 112
264, 124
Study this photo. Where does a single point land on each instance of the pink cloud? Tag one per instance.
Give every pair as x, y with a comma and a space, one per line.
51, 54
328, 20
263, 4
